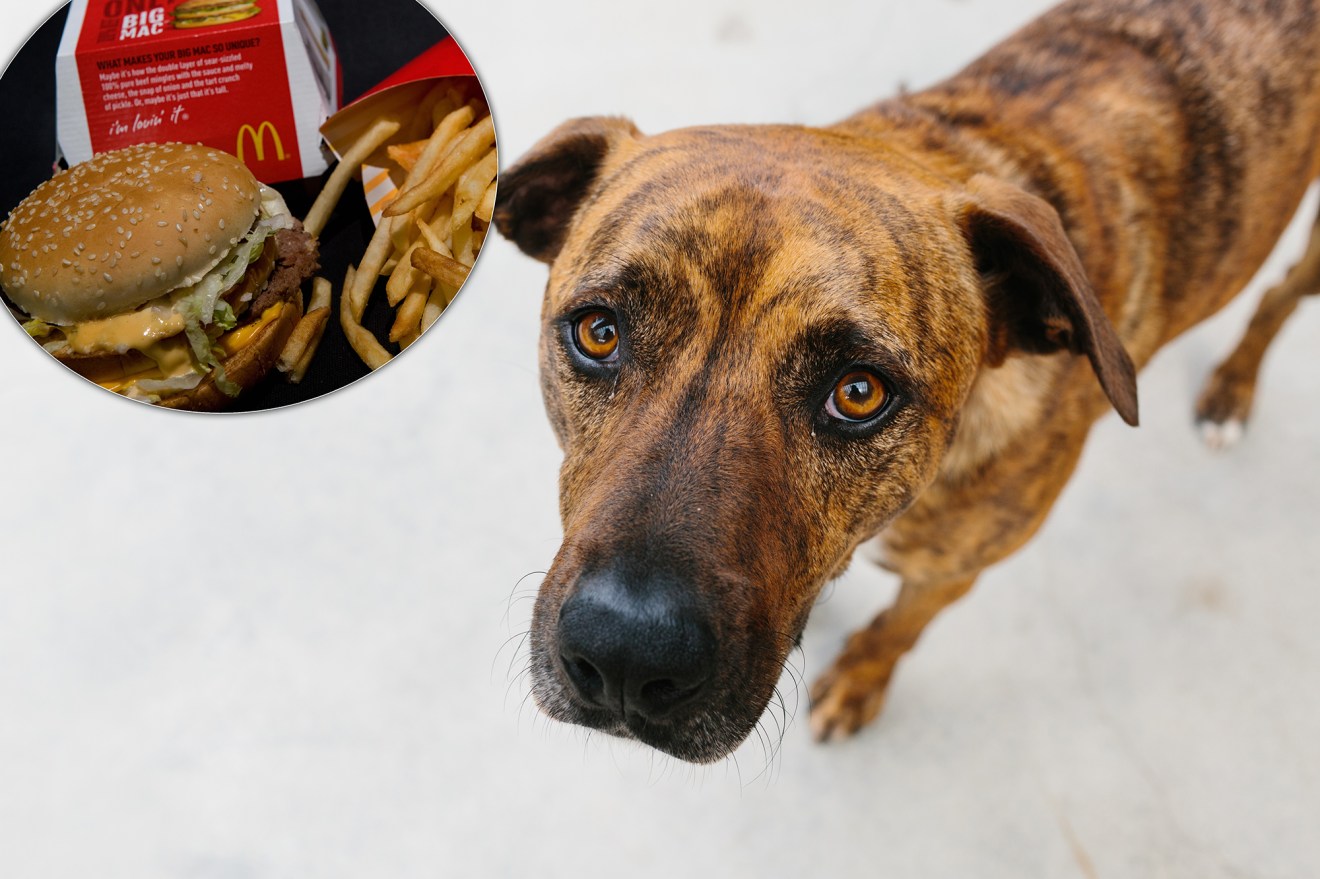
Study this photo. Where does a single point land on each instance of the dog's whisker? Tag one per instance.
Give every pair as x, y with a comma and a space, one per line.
514, 591
783, 723
767, 750
522, 706
775, 718
517, 597
776, 711
784, 719
517, 682
766, 754
504, 646
520, 580
513, 659
797, 676
586, 744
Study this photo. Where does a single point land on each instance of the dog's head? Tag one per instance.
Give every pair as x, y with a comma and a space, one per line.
755, 346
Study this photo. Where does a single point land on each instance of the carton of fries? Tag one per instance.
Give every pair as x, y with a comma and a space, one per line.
255, 79
423, 144
405, 89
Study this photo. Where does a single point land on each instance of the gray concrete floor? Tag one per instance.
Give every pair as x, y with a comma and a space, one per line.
306, 675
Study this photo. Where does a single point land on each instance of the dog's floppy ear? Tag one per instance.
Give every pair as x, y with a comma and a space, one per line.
539, 196
1039, 298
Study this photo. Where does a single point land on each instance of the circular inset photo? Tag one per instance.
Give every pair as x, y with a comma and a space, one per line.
216, 205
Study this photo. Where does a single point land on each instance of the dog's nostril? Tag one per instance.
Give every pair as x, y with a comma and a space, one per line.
665, 693
587, 672
585, 677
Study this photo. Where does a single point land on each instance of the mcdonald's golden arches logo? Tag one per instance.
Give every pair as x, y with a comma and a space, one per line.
258, 136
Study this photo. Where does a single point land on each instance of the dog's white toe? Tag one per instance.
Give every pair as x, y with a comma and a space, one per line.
1221, 437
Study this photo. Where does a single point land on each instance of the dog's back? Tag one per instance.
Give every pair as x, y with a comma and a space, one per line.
1175, 138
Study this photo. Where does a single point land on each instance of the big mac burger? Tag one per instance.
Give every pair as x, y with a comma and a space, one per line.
206, 13
164, 272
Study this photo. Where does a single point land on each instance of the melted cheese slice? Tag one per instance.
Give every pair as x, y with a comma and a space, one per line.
234, 340
172, 355
123, 384
134, 331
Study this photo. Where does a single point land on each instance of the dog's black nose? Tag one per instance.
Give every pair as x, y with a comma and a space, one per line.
641, 648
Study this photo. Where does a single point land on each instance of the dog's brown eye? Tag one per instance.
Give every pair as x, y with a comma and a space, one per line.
858, 396
597, 334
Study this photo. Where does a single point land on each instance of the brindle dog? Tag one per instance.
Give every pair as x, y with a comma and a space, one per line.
764, 345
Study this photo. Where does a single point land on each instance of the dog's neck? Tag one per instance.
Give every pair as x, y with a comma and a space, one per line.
941, 143
1004, 403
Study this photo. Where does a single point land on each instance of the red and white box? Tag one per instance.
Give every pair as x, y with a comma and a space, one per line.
255, 78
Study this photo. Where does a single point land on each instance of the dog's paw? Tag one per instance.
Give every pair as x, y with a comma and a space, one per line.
847, 698
1221, 437
1223, 408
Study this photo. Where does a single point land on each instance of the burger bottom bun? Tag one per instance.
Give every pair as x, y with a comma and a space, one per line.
245, 367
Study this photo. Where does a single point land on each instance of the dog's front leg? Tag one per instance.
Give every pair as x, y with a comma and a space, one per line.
852, 692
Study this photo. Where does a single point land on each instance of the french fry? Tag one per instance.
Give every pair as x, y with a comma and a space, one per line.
382, 130
471, 185
444, 269
433, 239
439, 144
409, 316
405, 277
443, 294
461, 245
432, 311
439, 222
402, 235
405, 155
350, 274
368, 269
401, 277
373, 354
420, 124
452, 101
486, 209
309, 328
321, 296
469, 147
299, 371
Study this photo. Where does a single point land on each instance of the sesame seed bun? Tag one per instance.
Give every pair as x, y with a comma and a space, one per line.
124, 228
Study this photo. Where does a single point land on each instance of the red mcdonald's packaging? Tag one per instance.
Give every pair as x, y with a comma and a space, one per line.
404, 88
255, 78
